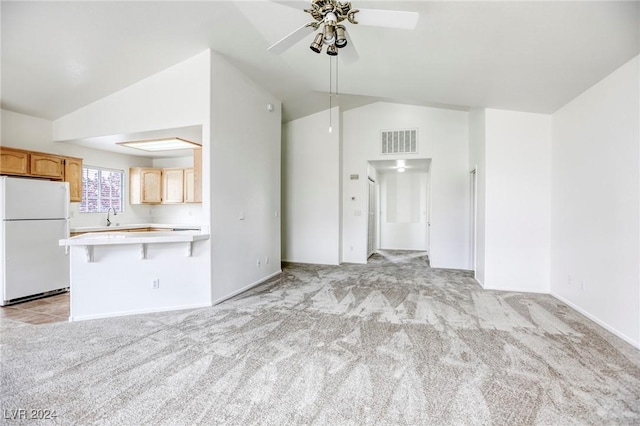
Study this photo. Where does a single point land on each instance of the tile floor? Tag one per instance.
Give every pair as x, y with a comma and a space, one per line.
41, 311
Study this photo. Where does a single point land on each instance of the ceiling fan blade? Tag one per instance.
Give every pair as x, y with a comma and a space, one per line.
297, 4
290, 39
348, 54
387, 18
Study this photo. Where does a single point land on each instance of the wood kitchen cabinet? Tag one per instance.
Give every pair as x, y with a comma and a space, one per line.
13, 161
189, 186
145, 185
20, 162
173, 187
176, 185
73, 175
46, 165
197, 176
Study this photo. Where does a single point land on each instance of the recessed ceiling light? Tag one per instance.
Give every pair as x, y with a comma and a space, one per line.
401, 169
164, 144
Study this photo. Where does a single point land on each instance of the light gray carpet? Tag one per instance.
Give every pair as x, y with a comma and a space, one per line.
392, 342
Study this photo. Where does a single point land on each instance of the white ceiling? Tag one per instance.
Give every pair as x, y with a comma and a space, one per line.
526, 56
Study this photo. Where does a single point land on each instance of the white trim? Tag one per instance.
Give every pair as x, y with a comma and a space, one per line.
477, 280
137, 312
598, 321
243, 289
518, 290
312, 263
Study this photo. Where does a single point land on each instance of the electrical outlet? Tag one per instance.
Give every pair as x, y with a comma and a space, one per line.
156, 283
258, 263
266, 260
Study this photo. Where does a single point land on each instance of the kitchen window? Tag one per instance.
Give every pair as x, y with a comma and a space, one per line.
102, 189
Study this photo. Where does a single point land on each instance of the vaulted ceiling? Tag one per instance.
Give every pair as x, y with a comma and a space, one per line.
525, 56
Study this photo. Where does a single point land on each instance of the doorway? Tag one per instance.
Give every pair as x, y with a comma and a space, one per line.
399, 203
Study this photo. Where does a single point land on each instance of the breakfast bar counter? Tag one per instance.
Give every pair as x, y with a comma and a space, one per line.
122, 273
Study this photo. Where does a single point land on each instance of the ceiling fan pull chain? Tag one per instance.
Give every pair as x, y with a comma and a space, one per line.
330, 105
337, 60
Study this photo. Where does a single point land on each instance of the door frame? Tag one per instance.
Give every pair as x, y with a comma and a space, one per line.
372, 217
473, 218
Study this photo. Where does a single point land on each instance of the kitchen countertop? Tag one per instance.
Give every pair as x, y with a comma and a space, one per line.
150, 237
127, 226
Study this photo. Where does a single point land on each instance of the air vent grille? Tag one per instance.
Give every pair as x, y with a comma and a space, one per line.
399, 141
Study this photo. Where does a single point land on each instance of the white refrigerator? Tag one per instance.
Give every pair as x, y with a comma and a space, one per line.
34, 215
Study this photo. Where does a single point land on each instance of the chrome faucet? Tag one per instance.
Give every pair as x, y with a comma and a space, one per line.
115, 213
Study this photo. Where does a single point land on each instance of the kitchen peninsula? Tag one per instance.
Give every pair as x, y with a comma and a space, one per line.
124, 272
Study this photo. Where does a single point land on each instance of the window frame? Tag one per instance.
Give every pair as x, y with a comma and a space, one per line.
99, 176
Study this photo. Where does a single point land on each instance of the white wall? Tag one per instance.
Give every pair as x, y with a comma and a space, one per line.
118, 282
245, 180
443, 137
595, 202
175, 97
32, 133
517, 239
311, 190
403, 210
477, 148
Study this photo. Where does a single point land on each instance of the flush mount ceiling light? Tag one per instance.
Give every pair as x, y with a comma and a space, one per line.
328, 14
163, 144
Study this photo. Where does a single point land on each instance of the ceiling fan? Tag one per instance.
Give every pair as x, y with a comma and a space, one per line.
329, 16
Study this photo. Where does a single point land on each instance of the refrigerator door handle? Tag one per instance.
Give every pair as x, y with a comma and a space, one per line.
67, 230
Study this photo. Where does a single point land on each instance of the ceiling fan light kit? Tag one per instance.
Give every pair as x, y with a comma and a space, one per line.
316, 45
327, 14
327, 17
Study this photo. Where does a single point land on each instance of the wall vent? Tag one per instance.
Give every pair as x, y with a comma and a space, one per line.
399, 141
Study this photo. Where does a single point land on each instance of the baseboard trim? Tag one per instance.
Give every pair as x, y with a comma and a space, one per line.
138, 312
245, 288
518, 290
478, 281
598, 321
297, 262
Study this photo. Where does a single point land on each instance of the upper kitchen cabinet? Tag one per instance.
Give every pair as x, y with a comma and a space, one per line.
73, 175
197, 176
173, 187
20, 162
45, 165
145, 185
189, 186
14, 161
